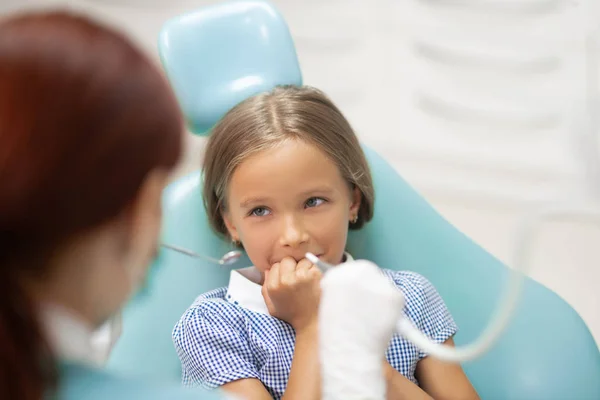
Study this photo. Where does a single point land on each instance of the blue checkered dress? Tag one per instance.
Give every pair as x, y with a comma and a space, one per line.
219, 341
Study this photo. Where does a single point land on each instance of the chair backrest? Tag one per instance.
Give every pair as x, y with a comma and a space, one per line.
230, 51
547, 353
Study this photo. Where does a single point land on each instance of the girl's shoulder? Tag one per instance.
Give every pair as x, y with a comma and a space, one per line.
210, 318
423, 303
212, 304
409, 281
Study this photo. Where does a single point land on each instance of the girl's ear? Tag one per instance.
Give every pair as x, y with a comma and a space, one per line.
355, 201
231, 229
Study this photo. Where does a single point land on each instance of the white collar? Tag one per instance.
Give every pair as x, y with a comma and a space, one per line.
245, 291
71, 339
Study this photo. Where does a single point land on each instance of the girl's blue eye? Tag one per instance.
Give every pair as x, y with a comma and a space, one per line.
259, 212
314, 202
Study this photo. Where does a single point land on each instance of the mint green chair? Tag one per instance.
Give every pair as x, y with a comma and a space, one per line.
79, 382
547, 353
232, 51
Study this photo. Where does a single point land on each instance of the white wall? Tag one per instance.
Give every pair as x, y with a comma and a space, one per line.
374, 58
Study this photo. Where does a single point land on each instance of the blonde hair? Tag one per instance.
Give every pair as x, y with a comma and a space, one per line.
264, 121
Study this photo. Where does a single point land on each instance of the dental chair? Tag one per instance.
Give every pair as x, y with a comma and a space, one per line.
217, 56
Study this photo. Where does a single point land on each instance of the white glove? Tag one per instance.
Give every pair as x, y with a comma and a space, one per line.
358, 314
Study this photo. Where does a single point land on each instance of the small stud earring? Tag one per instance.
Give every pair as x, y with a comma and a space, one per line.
354, 219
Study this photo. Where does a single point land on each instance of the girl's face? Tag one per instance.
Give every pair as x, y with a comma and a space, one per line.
287, 201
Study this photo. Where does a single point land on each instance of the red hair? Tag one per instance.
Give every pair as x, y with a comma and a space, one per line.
84, 117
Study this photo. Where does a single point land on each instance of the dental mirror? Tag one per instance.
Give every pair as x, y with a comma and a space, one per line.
228, 258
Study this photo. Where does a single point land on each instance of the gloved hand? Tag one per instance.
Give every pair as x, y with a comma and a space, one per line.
358, 314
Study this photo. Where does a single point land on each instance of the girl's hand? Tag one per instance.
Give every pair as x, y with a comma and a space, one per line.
292, 292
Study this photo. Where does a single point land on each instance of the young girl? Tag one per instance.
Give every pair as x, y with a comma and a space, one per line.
284, 174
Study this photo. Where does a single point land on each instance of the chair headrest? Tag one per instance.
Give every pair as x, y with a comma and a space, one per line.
217, 56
